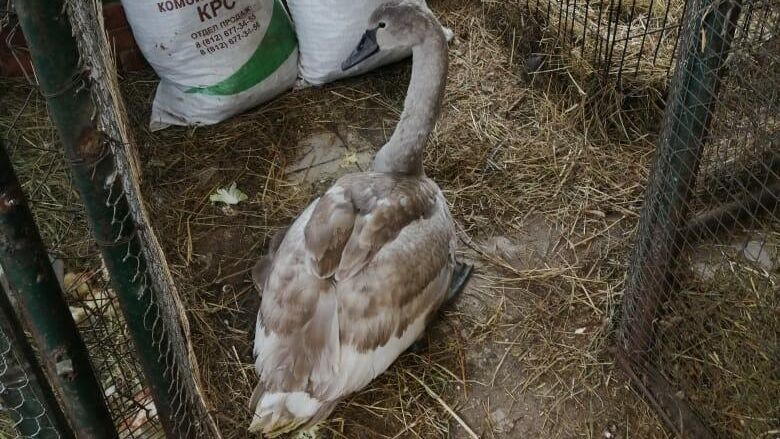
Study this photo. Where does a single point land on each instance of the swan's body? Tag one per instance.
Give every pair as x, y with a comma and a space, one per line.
352, 283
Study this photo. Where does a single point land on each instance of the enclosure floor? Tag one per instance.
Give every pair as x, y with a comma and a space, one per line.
545, 210
545, 207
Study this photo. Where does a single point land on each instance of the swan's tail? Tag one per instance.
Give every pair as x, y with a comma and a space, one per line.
275, 414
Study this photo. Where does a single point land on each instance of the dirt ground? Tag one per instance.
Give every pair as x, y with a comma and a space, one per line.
546, 204
546, 217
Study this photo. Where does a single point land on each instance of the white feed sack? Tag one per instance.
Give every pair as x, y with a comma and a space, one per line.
329, 30
215, 58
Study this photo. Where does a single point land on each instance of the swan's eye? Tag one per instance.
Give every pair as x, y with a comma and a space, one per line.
382, 24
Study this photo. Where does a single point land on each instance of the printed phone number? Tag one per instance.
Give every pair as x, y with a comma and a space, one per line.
224, 39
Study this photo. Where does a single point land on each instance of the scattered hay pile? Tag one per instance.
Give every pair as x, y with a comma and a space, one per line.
524, 352
615, 58
544, 172
512, 158
718, 338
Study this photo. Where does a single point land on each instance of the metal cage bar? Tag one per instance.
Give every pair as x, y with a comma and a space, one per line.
662, 229
25, 391
54, 53
46, 313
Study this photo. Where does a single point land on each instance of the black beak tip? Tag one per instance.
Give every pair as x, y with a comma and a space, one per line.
365, 49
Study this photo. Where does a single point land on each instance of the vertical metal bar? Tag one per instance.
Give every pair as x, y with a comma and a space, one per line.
24, 388
665, 211
55, 57
572, 37
113, 228
614, 18
626, 41
706, 43
599, 39
46, 313
640, 53
706, 39
676, 38
585, 26
561, 8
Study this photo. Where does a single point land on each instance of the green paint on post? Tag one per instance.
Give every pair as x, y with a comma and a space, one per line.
707, 33
25, 392
45, 312
60, 78
276, 47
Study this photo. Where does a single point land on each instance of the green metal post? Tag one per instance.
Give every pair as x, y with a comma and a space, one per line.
665, 213
46, 313
662, 232
55, 57
26, 393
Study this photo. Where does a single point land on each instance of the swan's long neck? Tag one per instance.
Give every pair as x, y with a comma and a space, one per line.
403, 153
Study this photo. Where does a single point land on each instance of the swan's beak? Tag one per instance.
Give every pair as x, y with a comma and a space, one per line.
364, 50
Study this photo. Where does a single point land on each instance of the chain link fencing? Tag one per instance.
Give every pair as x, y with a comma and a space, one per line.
699, 331
126, 308
46, 179
23, 409
614, 37
700, 328
27, 403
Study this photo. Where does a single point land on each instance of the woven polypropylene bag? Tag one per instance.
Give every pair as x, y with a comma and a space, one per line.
215, 58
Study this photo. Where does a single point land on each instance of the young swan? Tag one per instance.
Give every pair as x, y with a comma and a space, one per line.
352, 283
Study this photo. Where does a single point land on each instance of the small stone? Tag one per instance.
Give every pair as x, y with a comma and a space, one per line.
534, 62
501, 423
64, 367
704, 271
759, 253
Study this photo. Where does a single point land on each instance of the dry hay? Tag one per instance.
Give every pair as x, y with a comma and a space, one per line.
543, 182
636, 39
719, 336
527, 346
618, 72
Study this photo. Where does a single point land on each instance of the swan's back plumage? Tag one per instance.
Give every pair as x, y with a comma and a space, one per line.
350, 287
356, 278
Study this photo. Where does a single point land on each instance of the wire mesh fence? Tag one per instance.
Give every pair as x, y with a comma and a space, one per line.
700, 330
133, 256
24, 415
130, 320
614, 37
93, 304
623, 39
38, 158
28, 407
700, 327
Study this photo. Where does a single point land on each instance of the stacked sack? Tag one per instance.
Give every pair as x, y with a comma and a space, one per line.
217, 58
328, 31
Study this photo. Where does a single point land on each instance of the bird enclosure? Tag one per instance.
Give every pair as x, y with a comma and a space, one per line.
613, 167
119, 294
699, 329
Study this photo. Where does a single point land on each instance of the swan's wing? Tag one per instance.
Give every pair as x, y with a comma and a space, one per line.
386, 306
296, 330
296, 338
318, 339
328, 230
359, 215
262, 268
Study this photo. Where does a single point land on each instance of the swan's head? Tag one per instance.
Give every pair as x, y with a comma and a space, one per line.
399, 23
